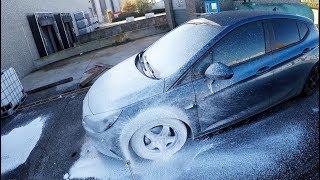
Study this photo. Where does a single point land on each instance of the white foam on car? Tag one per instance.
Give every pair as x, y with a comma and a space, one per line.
209, 159
254, 150
93, 164
18, 143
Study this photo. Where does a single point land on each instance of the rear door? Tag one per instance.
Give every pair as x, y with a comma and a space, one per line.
287, 37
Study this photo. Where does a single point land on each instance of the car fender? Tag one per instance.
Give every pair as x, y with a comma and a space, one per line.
311, 57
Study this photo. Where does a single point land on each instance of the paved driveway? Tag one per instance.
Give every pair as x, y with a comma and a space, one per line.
279, 143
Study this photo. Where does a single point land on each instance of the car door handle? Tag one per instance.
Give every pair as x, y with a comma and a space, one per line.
263, 70
305, 51
190, 106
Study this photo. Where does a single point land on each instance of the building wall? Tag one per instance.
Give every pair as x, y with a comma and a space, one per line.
99, 10
115, 3
18, 49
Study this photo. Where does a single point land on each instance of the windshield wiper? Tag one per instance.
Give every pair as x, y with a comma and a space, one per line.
146, 65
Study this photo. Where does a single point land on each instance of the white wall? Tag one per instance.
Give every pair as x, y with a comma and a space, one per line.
18, 49
99, 11
116, 5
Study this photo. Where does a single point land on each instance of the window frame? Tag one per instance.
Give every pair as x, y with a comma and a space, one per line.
265, 37
273, 36
267, 42
308, 30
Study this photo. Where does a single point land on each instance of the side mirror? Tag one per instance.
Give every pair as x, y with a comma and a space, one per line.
219, 71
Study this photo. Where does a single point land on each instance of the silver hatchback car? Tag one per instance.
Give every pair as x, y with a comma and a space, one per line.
202, 76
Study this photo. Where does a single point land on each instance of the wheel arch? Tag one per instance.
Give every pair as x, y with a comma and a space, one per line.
144, 116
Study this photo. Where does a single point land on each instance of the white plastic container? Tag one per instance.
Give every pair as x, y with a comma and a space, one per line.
94, 22
85, 30
83, 23
79, 15
11, 91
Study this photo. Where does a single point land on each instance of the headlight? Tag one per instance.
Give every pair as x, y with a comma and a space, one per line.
101, 122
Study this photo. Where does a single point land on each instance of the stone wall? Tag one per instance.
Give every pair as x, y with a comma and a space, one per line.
107, 32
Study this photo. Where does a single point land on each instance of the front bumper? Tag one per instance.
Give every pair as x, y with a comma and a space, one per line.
105, 142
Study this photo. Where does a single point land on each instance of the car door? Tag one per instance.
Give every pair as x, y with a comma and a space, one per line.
222, 102
288, 48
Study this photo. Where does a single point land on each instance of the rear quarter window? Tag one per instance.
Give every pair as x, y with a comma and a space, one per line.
285, 32
303, 29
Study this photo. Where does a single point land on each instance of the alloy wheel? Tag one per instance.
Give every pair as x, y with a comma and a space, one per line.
159, 139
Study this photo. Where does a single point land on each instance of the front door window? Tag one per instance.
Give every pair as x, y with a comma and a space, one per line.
222, 101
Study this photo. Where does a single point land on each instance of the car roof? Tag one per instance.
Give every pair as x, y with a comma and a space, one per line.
230, 18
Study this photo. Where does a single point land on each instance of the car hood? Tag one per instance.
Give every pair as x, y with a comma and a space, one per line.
120, 86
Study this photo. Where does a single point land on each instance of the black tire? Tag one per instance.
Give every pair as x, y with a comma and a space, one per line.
312, 82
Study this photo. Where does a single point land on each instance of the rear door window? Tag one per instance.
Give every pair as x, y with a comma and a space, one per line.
285, 32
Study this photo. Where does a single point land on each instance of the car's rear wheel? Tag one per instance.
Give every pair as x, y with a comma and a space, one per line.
312, 82
159, 138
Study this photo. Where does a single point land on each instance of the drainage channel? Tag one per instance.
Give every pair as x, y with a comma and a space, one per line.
53, 98
98, 69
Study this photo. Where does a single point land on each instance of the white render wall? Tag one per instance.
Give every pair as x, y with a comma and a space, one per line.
18, 49
99, 10
116, 5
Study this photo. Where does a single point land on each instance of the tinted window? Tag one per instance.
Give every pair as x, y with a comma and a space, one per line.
303, 29
286, 32
241, 44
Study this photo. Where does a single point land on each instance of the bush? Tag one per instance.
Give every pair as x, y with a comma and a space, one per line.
128, 6
143, 6
109, 15
314, 4
124, 15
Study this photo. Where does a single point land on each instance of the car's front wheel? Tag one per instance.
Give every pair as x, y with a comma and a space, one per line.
159, 138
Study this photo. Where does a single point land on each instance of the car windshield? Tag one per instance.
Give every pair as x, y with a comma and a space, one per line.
174, 50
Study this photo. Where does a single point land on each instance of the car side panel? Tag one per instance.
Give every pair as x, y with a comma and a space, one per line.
291, 68
176, 103
230, 100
